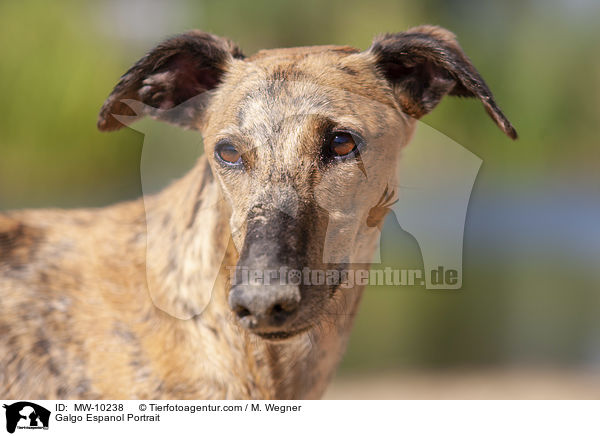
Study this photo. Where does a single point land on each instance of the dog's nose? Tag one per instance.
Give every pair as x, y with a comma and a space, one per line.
268, 307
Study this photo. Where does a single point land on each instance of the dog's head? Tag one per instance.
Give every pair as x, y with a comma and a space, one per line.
304, 143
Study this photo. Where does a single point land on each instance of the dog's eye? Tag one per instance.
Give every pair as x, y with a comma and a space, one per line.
228, 154
342, 145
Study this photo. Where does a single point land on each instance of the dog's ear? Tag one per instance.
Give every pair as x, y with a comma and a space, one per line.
425, 63
179, 69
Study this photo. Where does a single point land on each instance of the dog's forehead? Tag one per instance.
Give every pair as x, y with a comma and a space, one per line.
325, 65
294, 83
301, 52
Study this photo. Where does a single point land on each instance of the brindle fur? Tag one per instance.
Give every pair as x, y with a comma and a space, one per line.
76, 318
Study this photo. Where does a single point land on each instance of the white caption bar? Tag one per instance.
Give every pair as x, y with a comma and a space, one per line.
299, 417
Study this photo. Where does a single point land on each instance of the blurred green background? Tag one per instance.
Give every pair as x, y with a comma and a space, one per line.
531, 295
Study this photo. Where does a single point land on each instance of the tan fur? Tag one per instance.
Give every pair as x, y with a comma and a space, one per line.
77, 319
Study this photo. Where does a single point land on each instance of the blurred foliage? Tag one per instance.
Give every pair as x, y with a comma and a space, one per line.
531, 281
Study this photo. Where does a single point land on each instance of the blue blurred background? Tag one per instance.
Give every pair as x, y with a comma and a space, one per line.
528, 316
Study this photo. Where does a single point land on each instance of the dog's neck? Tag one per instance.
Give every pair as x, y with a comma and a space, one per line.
188, 248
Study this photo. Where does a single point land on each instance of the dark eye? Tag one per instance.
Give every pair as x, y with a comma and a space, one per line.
342, 145
228, 154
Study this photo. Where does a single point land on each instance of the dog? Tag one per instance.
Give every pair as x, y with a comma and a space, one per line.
133, 301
